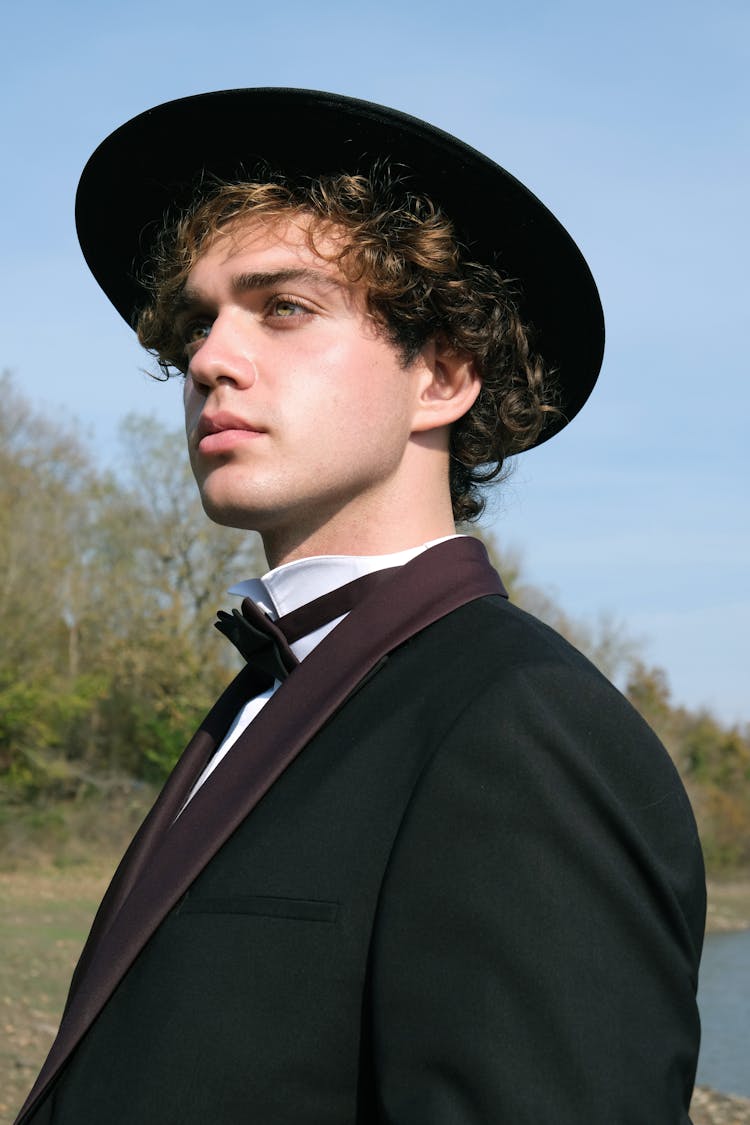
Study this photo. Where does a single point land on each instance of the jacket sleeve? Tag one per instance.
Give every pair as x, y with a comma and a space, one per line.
539, 928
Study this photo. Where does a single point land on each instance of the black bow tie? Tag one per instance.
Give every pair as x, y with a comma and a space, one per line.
266, 644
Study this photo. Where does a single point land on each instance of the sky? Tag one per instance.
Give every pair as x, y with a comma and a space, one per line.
629, 120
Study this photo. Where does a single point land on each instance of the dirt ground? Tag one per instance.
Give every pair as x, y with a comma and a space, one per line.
44, 919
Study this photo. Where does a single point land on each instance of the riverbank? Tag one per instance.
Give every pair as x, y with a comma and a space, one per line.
728, 905
712, 1108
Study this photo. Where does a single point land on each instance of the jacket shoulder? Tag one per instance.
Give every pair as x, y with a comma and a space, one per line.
547, 881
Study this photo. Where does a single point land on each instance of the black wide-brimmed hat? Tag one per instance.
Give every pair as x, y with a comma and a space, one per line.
150, 166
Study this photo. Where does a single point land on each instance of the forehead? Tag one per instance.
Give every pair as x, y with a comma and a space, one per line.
299, 237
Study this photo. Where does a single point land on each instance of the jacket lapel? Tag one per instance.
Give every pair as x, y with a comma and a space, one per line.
164, 811
167, 855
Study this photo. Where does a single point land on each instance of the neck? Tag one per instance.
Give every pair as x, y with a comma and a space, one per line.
411, 507
355, 537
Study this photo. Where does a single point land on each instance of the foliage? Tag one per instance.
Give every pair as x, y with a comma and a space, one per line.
108, 661
714, 761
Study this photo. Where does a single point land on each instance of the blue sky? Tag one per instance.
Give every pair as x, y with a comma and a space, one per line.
628, 119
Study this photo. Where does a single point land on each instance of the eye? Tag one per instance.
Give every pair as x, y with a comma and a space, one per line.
193, 334
286, 308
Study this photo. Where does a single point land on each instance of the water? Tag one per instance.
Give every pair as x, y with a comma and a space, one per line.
724, 1002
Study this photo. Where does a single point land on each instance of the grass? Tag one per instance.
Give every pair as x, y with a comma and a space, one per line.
43, 923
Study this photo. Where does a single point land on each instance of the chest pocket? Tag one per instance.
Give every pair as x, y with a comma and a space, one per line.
266, 906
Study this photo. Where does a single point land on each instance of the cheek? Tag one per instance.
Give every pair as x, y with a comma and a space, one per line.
369, 385
384, 407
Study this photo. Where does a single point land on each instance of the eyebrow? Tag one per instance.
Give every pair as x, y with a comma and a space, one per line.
249, 282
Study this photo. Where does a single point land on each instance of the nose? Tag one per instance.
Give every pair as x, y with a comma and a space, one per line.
225, 356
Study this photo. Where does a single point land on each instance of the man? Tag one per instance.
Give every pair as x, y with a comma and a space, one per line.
421, 863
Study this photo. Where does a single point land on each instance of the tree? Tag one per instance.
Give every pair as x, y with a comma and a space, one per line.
108, 659
186, 555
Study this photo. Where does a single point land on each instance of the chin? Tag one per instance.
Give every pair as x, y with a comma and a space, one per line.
232, 515
227, 503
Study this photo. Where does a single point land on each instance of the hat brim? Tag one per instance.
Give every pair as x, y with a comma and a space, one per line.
150, 166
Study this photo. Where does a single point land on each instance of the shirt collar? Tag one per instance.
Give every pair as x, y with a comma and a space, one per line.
288, 587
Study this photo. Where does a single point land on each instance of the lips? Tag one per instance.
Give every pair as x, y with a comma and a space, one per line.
218, 433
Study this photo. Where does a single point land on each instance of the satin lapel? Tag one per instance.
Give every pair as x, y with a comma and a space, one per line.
427, 588
143, 845
166, 807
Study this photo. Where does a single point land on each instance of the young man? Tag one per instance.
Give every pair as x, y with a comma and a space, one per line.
421, 864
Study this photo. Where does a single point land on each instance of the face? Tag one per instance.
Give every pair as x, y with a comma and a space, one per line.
299, 412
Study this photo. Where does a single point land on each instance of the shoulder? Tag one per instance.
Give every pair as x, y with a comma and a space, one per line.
543, 902
505, 659
535, 733
493, 626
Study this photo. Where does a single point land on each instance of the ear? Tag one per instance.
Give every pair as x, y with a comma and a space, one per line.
448, 388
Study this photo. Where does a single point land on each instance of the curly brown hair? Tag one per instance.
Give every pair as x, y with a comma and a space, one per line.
421, 285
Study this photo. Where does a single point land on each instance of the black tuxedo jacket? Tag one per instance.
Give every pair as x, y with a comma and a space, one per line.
447, 877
